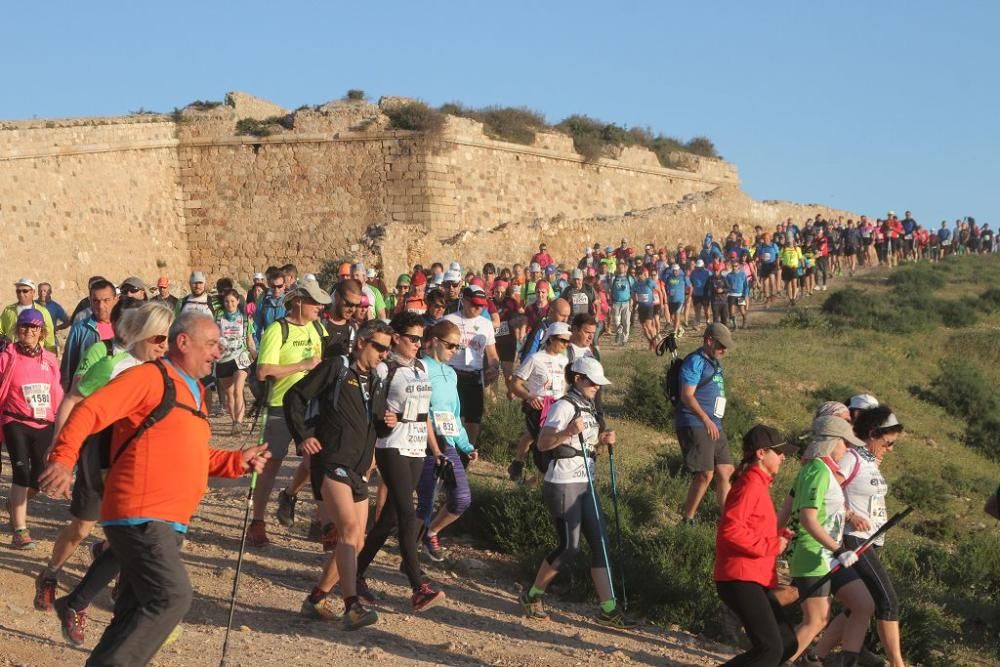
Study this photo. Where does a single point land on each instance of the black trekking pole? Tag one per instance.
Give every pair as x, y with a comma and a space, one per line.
618, 525
246, 523
863, 547
439, 475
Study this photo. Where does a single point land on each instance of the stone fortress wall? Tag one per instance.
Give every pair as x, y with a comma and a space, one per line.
152, 194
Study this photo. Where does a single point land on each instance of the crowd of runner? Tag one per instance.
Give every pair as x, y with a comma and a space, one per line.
358, 376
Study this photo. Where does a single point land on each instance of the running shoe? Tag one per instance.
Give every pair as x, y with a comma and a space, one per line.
533, 607
365, 593
515, 470
257, 534
615, 619
45, 591
358, 616
174, 635
426, 597
286, 509
22, 540
432, 546
72, 622
325, 609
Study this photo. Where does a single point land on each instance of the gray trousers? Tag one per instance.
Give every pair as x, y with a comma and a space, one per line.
154, 595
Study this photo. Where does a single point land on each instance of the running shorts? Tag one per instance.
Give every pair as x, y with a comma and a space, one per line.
701, 453
645, 312
470, 394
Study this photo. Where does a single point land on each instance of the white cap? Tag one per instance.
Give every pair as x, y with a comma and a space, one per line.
196, 277
309, 277
559, 330
591, 368
534, 267
371, 273
455, 266
27, 282
675, 267
700, 263
258, 276
862, 402
452, 277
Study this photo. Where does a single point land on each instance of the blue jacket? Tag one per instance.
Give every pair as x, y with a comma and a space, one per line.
268, 310
444, 398
82, 335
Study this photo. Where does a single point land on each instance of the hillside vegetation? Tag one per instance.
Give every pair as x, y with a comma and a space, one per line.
926, 340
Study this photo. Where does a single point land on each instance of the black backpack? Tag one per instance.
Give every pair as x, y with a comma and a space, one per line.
543, 459
256, 385
167, 404
672, 379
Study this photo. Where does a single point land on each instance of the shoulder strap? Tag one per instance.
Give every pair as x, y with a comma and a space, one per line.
283, 323
320, 329
168, 403
341, 376
109, 345
849, 477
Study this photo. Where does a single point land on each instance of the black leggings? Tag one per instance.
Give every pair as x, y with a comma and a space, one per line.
400, 474
100, 573
772, 638
26, 447
876, 579
572, 509
822, 266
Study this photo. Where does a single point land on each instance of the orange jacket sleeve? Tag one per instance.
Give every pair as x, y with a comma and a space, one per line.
225, 464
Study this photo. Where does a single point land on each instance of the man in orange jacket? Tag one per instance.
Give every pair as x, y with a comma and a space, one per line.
154, 485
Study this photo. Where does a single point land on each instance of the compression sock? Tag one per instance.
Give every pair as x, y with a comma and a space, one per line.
535, 592
608, 606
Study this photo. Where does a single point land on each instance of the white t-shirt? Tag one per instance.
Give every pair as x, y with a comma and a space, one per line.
571, 471
576, 352
544, 374
864, 490
477, 333
197, 303
410, 398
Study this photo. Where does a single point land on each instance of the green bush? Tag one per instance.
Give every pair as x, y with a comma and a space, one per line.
515, 124
916, 278
738, 420
416, 117
832, 392
644, 398
854, 308
920, 491
983, 435
991, 299
355, 94
959, 313
963, 390
702, 146
802, 318
502, 426
928, 632
264, 128
205, 105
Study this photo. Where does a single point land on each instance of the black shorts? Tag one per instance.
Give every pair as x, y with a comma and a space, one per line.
850, 250
673, 307
701, 300
208, 381
789, 273
866, 242
645, 312
88, 488
532, 419
470, 393
840, 578
226, 369
701, 453
766, 270
344, 475
507, 347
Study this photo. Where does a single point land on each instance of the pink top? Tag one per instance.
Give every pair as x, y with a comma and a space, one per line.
105, 330
30, 387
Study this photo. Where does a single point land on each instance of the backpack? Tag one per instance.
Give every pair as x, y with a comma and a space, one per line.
312, 409
672, 378
381, 430
543, 459
167, 404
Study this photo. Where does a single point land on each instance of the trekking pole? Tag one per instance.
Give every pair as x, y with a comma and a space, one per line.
618, 525
438, 485
597, 512
246, 523
863, 547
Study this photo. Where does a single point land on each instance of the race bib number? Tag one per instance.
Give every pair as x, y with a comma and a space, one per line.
38, 397
416, 439
503, 329
243, 361
719, 409
469, 355
643, 298
766, 257
446, 424
417, 405
948, 242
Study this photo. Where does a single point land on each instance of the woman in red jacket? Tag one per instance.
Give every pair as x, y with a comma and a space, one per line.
746, 548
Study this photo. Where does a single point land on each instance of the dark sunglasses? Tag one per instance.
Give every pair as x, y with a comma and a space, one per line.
450, 346
350, 305
157, 340
25, 327
379, 346
413, 338
24, 290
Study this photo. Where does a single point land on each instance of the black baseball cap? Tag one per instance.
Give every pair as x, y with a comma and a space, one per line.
766, 437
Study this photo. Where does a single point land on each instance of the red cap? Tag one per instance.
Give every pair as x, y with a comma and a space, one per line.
477, 281
542, 286
419, 278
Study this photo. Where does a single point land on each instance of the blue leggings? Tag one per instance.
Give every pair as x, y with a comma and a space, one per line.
459, 496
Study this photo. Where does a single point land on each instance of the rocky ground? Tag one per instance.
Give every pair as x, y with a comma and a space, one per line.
480, 624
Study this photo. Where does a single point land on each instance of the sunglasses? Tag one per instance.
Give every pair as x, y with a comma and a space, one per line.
24, 290
157, 340
448, 345
382, 349
413, 338
350, 305
25, 327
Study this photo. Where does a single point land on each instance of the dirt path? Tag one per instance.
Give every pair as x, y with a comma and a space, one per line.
480, 624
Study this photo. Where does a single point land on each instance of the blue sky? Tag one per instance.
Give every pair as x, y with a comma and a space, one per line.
862, 105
